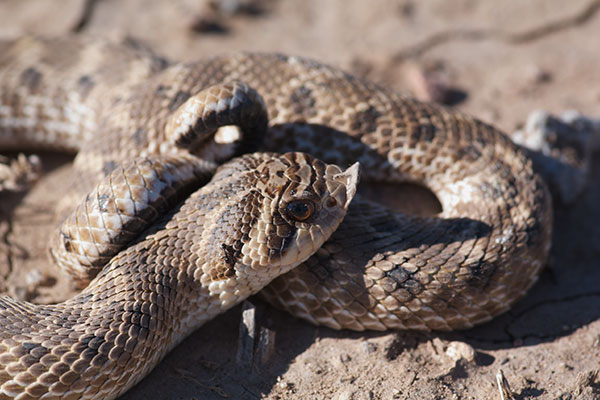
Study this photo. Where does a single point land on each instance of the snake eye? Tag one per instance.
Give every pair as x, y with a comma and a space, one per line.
300, 210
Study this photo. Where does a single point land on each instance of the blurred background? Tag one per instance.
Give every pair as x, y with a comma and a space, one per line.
504, 58
497, 60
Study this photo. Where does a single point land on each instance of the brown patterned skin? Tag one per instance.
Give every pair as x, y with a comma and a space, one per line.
222, 244
380, 269
135, 193
124, 203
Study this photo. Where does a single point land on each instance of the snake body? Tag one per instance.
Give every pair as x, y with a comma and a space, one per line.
381, 269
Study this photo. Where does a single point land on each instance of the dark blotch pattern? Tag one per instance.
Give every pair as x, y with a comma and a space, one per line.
302, 100
180, 97
481, 272
31, 78
140, 137
468, 153
230, 255
365, 121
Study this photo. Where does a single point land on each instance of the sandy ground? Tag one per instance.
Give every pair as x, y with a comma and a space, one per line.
496, 60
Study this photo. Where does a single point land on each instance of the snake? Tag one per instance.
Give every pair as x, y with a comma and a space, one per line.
196, 185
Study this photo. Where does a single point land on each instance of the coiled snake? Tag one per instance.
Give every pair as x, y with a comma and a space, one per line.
146, 131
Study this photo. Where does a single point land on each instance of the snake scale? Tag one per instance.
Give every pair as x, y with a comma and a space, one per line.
148, 133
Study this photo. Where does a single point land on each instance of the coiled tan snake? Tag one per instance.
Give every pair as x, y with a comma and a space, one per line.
144, 130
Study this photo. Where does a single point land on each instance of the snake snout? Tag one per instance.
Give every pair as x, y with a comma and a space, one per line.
349, 179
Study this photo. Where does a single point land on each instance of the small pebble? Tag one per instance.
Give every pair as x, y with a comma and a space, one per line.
345, 395
282, 384
460, 351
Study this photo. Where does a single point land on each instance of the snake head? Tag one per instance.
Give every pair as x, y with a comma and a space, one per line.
309, 200
282, 209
